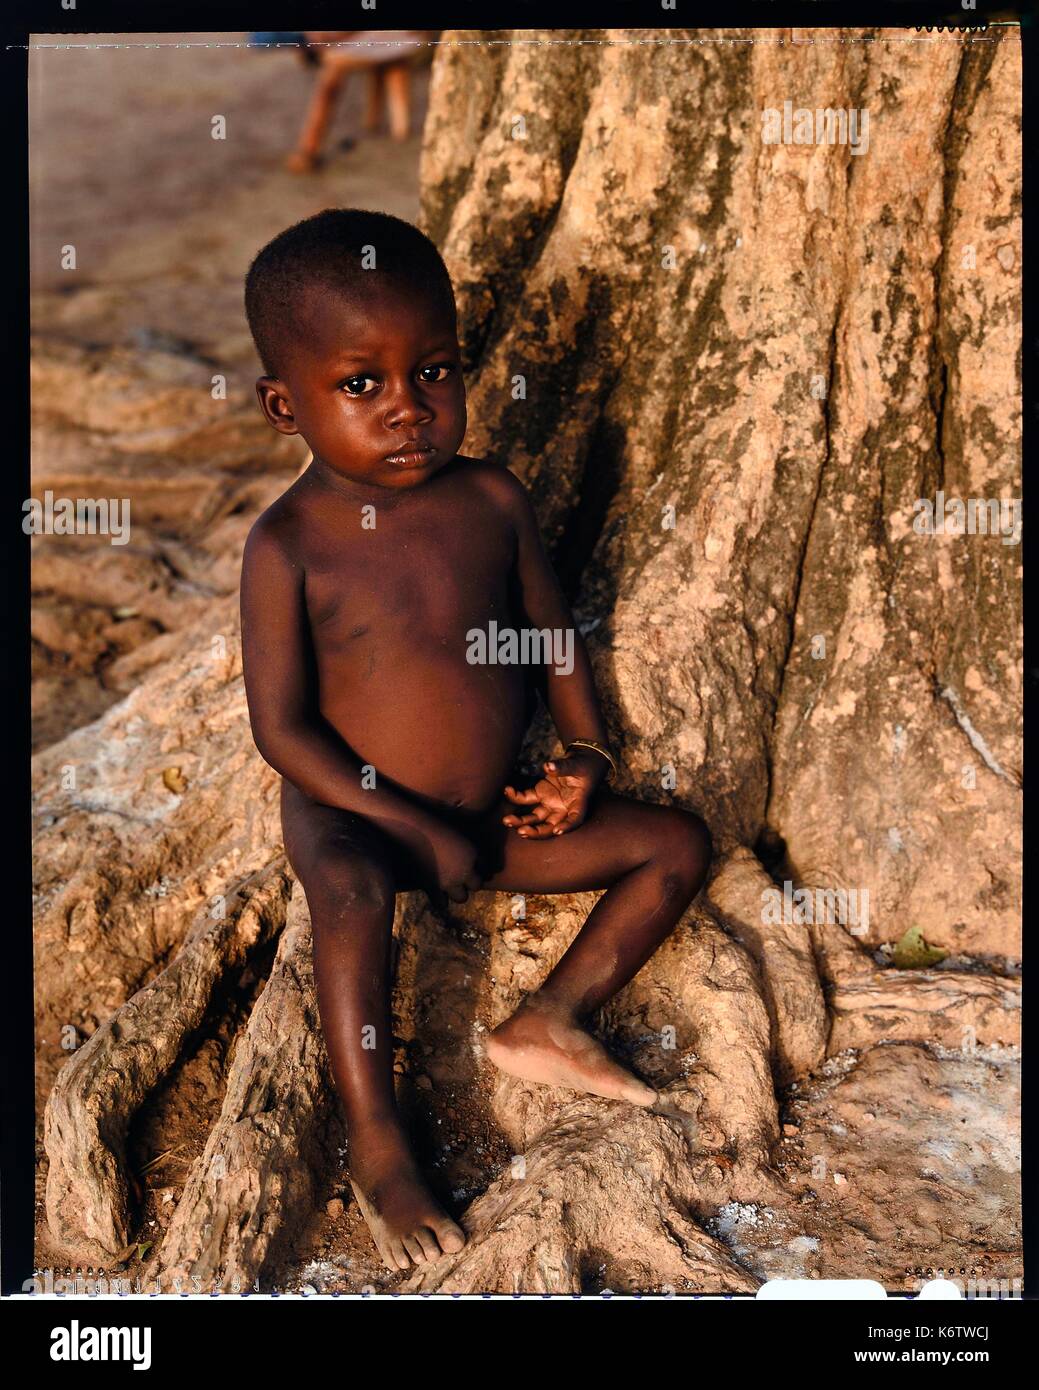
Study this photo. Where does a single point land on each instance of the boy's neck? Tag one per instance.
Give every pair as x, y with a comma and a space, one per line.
322, 474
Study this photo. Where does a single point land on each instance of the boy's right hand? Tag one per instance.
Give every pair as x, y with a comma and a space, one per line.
454, 863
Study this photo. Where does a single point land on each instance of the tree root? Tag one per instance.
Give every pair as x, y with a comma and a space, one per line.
783, 952
953, 1008
97, 1093
276, 1130
602, 1196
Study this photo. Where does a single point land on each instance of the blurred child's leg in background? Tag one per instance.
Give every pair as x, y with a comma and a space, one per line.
397, 79
331, 76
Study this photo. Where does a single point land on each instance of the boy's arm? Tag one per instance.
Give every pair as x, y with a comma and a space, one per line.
571, 698
288, 728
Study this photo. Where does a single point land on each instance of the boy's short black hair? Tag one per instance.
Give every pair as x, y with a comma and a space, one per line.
333, 249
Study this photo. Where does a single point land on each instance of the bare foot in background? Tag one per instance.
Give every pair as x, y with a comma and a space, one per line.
303, 162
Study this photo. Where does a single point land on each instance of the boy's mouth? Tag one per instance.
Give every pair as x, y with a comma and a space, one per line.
413, 454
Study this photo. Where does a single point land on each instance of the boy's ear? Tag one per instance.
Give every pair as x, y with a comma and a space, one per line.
276, 404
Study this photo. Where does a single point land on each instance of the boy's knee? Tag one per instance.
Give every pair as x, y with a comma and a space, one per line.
685, 850
348, 884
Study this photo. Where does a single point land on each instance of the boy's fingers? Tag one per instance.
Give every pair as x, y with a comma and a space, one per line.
537, 832
521, 798
570, 821
541, 824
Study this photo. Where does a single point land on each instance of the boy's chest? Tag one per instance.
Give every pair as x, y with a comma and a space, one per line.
429, 580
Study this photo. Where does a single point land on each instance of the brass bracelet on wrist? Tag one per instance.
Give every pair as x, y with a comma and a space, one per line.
596, 748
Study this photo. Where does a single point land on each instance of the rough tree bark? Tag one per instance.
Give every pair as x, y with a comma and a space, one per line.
742, 364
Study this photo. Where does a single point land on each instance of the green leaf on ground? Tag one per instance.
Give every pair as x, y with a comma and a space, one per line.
913, 953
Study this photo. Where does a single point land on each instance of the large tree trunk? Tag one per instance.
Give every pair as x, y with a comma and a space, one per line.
780, 348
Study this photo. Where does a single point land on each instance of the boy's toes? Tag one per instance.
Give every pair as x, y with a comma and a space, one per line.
451, 1237
414, 1249
395, 1256
430, 1247
644, 1096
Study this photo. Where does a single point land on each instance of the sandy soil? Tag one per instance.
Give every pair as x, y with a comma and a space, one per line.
164, 218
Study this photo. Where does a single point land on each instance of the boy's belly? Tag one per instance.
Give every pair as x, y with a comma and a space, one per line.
442, 729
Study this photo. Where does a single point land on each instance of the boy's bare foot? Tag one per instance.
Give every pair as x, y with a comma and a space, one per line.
543, 1042
406, 1222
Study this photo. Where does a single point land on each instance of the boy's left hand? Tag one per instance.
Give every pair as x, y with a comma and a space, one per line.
559, 801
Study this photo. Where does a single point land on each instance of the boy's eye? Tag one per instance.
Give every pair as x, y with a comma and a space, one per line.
355, 385
443, 368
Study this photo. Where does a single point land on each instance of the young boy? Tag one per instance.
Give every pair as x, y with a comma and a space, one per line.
364, 589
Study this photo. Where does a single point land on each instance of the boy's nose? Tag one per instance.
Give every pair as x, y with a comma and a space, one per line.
406, 406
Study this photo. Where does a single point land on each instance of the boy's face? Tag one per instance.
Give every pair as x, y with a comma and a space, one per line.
375, 390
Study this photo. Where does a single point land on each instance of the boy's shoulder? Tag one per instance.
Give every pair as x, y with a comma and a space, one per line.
495, 480
276, 528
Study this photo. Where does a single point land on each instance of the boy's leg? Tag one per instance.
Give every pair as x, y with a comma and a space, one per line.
350, 873
398, 96
652, 860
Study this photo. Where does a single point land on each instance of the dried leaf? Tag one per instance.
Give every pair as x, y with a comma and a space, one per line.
174, 780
